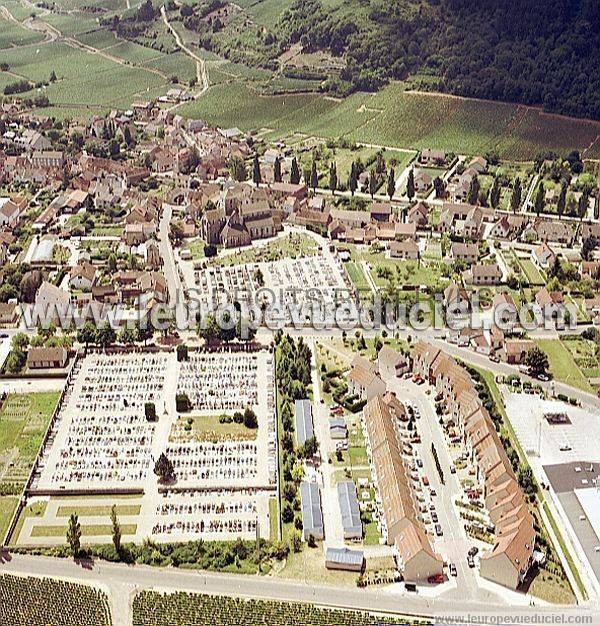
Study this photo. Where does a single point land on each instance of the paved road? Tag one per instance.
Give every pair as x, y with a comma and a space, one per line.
122, 580
166, 251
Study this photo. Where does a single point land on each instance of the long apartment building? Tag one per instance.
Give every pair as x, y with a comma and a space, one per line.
400, 524
511, 556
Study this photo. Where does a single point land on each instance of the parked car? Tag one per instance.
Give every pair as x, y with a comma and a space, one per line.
470, 561
473, 551
432, 492
434, 517
453, 469
425, 480
436, 579
438, 530
452, 569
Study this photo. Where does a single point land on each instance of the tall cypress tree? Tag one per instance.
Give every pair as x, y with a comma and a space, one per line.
277, 170
294, 172
333, 177
539, 199
314, 176
410, 184
372, 183
515, 199
256, 175
562, 200
353, 179
391, 183
474, 191
495, 194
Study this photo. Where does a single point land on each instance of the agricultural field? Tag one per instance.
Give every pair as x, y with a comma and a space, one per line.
12, 35
83, 78
155, 609
43, 601
395, 117
23, 422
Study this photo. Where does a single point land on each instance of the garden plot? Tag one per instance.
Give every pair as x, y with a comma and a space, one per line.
319, 278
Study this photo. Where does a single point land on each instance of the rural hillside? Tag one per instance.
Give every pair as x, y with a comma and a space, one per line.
404, 73
548, 56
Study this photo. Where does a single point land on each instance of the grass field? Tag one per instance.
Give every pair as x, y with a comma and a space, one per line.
562, 364
357, 276
91, 530
23, 422
291, 246
98, 511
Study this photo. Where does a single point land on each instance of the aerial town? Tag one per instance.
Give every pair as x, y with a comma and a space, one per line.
262, 377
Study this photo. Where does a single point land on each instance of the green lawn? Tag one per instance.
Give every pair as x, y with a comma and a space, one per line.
290, 246
98, 511
23, 422
273, 519
562, 364
8, 504
532, 272
92, 530
209, 428
412, 273
36, 509
357, 276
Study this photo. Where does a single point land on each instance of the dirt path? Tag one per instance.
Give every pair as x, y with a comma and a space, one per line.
201, 71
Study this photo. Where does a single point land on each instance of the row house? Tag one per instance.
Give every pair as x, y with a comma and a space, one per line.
511, 557
400, 523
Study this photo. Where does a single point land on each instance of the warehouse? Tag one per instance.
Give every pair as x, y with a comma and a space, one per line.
344, 559
304, 421
312, 515
350, 510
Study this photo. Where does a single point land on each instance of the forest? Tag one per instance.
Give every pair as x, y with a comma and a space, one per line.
539, 52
